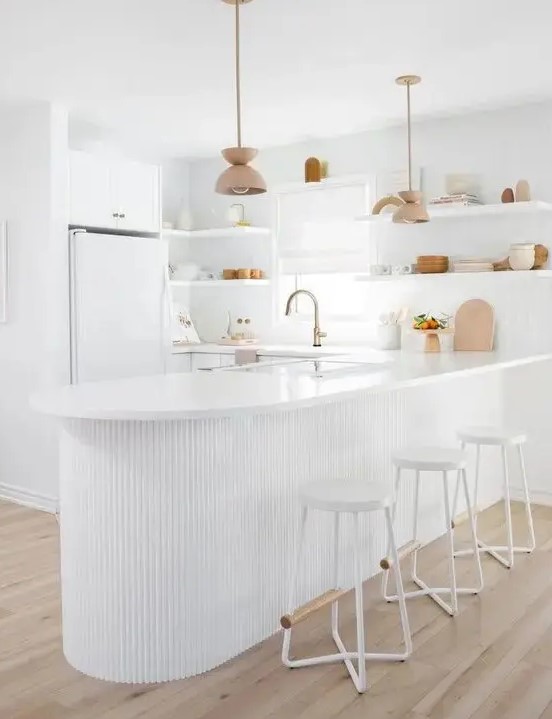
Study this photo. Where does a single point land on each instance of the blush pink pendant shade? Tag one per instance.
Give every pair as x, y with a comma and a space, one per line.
239, 178
413, 210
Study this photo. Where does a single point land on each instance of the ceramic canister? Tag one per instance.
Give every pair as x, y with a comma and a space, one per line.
522, 256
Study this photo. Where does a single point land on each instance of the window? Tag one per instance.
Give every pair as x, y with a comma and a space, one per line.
321, 247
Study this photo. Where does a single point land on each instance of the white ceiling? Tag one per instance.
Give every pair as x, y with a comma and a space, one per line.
160, 72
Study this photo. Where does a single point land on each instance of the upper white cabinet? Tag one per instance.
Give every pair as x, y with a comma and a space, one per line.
90, 191
135, 190
116, 194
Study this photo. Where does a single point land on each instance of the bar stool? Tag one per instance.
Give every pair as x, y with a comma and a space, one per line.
505, 439
353, 497
443, 461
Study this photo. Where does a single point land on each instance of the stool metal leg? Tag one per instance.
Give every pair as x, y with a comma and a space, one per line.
414, 569
472, 518
450, 539
292, 588
396, 489
457, 488
508, 509
528, 512
335, 605
360, 680
407, 636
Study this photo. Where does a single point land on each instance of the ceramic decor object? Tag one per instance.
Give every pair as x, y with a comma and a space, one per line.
507, 195
313, 170
523, 191
388, 201
474, 327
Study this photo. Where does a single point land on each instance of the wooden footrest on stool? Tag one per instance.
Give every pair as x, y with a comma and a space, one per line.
403, 552
305, 610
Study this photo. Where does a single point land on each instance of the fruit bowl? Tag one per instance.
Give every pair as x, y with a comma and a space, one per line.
432, 327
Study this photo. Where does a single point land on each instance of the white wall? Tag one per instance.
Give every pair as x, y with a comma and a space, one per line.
34, 342
176, 192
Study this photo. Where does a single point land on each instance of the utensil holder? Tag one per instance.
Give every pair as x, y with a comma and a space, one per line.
389, 337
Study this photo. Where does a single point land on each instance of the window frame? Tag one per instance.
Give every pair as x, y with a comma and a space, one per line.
368, 181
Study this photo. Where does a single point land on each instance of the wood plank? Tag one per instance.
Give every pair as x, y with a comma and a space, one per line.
491, 661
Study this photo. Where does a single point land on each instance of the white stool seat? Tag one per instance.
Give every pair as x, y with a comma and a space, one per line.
430, 459
491, 435
346, 496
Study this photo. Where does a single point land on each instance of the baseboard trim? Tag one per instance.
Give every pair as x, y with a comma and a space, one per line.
28, 499
539, 497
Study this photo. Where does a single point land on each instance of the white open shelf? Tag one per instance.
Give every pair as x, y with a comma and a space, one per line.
439, 212
219, 283
220, 233
532, 274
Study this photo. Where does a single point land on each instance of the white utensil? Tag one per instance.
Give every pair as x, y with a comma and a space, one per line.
403, 314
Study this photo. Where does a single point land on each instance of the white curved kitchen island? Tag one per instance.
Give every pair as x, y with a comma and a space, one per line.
177, 497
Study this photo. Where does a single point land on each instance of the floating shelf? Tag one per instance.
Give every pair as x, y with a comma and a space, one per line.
533, 274
219, 283
219, 233
439, 212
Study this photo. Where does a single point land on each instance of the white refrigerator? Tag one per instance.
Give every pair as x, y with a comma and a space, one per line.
119, 306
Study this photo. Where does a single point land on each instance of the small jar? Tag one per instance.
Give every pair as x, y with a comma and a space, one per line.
244, 273
522, 256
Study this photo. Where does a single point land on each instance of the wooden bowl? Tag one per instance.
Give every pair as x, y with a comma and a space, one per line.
432, 258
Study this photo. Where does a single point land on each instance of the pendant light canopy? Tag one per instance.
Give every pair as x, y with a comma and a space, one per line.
239, 178
413, 210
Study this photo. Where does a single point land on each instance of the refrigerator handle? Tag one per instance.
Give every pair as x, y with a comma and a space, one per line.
73, 310
167, 319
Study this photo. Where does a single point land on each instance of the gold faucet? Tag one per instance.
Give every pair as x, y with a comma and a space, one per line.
317, 333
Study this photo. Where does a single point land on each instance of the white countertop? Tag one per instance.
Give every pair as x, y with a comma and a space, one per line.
199, 395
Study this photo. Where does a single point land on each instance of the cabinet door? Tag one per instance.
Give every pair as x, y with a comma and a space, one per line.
135, 194
205, 361
90, 191
179, 363
227, 360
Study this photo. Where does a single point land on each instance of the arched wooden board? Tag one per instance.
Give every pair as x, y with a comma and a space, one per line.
474, 327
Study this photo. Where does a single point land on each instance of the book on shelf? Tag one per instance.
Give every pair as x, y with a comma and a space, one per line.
460, 199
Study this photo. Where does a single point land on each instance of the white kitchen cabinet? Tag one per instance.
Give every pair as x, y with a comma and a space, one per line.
90, 191
228, 360
135, 190
205, 361
118, 194
179, 363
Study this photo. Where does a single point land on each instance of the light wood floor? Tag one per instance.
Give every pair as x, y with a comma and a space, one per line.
492, 661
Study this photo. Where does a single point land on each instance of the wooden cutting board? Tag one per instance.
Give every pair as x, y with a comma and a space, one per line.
474, 327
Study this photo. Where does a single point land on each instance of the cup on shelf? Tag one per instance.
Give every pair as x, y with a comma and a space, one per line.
256, 274
229, 274
244, 273
380, 269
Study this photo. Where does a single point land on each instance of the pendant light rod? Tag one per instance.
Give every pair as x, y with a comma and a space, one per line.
408, 80
409, 134
238, 74
240, 178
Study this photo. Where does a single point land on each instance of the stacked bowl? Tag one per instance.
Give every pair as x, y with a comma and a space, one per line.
432, 264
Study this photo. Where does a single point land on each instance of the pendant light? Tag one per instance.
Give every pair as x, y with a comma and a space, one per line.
239, 178
413, 210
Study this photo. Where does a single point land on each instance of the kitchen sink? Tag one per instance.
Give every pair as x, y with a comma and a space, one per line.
331, 367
